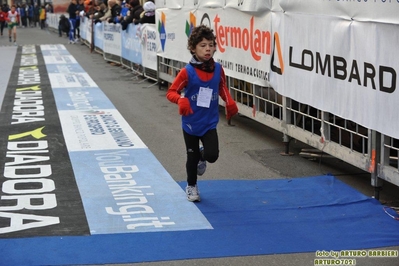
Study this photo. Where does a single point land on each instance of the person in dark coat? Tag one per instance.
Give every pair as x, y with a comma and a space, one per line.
115, 11
134, 13
63, 25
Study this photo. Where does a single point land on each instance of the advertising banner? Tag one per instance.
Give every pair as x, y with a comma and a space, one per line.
171, 25
84, 27
385, 11
150, 42
334, 66
131, 44
112, 38
243, 46
99, 35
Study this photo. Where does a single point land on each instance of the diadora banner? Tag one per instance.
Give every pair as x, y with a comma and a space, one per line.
337, 56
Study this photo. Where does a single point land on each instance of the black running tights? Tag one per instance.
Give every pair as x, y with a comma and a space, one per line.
210, 142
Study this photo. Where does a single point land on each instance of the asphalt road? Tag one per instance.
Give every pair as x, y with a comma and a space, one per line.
248, 150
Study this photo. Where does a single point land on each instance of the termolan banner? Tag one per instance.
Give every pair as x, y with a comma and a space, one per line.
244, 46
345, 67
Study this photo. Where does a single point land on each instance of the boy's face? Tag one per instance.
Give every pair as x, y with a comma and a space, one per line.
204, 50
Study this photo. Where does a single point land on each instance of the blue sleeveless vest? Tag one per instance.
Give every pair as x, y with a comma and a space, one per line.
203, 119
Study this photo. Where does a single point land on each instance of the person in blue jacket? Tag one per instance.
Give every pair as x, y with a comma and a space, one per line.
30, 16
73, 12
22, 14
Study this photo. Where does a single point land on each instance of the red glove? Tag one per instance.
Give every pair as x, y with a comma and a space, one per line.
231, 110
184, 107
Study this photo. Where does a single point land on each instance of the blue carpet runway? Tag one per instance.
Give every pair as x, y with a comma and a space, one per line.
80, 187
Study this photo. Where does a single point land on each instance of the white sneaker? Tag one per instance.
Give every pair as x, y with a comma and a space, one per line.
192, 193
71, 42
15, 43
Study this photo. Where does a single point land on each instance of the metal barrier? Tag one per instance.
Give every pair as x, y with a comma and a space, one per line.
388, 167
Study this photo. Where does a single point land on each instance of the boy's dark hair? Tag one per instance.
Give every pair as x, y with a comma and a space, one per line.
198, 34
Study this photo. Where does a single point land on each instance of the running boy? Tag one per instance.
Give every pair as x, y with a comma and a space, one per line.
12, 21
196, 90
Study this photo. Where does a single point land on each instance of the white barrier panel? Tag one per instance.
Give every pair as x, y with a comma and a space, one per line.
89, 31
131, 44
150, 42
99, 35
334, 66
365, 10
52, 20
112, 39
84, 27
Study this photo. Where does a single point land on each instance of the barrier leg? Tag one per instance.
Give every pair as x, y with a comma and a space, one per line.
286, 141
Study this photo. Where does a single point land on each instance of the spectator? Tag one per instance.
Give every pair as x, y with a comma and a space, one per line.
63, 26
125, 9
42, 18
100, 12
3, 16
134, 13
89, 7
79, 7
107, 13
49, 8
5, 8
115, 11
36, 14
149, 13
22, 13
73, 12
30, 16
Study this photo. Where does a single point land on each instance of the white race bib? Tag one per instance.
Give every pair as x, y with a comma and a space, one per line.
204, 97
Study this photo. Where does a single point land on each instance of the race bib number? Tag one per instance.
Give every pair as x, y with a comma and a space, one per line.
204, 97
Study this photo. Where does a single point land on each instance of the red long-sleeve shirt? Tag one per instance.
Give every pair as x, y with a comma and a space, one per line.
181, 82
